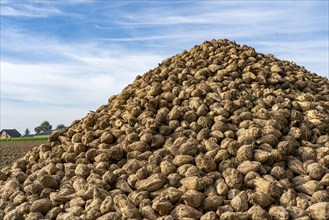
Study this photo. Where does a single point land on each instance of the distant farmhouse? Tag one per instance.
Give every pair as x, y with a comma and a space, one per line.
48, 132
9, 133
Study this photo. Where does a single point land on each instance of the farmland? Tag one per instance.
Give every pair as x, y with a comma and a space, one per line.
12, 150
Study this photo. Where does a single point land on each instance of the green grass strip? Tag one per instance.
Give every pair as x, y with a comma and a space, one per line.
36, 138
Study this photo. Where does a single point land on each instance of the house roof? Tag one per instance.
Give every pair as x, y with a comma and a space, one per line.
48, 132
12, 132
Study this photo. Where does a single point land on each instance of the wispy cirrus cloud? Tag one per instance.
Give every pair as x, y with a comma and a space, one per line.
27, 10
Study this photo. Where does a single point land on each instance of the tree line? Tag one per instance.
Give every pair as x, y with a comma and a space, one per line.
44, 126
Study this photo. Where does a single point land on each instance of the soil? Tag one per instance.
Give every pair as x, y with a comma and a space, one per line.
12, 150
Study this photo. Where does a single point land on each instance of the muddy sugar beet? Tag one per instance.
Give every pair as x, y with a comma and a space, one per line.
216, 132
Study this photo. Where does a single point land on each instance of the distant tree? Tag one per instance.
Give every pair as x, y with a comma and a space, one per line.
27, 131
60, 127
45, 126
37, 130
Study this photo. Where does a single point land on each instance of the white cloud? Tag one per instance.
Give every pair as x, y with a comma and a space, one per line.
94, 79
27, 10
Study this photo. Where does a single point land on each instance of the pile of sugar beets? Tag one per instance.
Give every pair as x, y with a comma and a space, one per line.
216, 132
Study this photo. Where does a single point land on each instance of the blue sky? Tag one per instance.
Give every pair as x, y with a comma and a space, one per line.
60, 59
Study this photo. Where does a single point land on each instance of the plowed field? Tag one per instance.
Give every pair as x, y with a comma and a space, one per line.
12, 150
